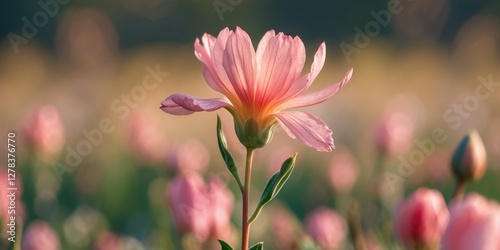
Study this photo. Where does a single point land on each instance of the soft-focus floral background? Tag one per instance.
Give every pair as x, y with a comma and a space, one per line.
105, 66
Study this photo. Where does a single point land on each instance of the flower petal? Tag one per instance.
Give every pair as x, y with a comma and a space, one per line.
217, 54
305, 81
318, 63
308, 128
280, 65
204, 53
208, 42
262, 47
239, 64
179, 104
317, 96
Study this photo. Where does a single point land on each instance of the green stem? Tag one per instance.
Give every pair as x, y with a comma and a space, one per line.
245, 233
459, 190
355, 229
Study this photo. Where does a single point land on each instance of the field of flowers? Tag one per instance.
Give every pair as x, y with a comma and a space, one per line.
384, 135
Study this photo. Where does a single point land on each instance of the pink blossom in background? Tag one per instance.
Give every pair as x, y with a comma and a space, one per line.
372, 242
199, 209
394, 133
421, 219
187, 197
108, 241
343, 172
474, 224
191, 155
44, 132
326, 227
438, 166
259, 85
145, 138
221, 205
39, 235
284, 227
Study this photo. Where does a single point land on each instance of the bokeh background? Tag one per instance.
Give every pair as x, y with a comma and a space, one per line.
88, 59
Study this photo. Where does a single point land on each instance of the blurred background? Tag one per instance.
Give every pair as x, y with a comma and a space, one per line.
81, 83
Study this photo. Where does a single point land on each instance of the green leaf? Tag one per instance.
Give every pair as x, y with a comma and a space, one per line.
258, 246
224, 245
275, 184
228, 159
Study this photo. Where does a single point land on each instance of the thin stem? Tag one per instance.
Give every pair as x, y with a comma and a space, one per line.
355, 229
459, 190
246, 194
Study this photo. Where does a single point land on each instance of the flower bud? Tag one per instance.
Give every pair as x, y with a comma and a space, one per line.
252, 135
394, 133
199, 209
326, 227
221, 206
107, 241
40, 236
187, 197
45, 132
474, 224
284, 227
144, 136
469, 160
343, 172
421, 219
189, 156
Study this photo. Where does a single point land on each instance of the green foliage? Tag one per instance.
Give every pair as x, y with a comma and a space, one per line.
224, 245
258, 246
275, 184
228, 159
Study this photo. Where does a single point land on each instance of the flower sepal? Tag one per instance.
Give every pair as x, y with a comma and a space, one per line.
252, 135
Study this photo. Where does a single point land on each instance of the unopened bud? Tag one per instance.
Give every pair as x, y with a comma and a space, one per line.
469, 160
45, 132
252, 134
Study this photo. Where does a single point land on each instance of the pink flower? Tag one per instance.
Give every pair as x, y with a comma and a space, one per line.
259, 85
40, 236
191, 155
394, 133
221, 205
108, 241
438, 168
343, 172
45, 132
474, 224
421, 219
327, 228
190, 207
283, 227
144, 135
200, 210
